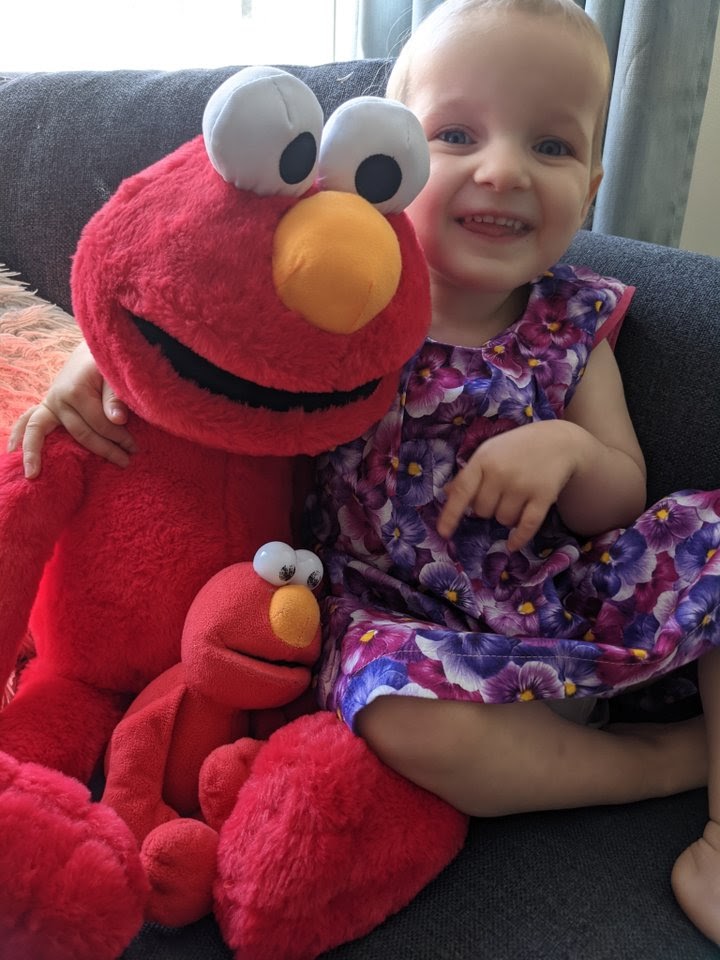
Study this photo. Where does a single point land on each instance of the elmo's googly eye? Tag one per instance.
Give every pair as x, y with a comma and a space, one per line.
309, 568
275, 562
377, 149
262, 128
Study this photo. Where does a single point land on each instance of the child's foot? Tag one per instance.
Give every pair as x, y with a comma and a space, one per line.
696, 881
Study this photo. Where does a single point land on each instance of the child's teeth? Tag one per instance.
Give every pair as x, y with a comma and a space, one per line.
500, 221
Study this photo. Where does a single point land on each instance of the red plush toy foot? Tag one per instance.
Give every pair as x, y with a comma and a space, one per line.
71, 883
324, 843
180, 861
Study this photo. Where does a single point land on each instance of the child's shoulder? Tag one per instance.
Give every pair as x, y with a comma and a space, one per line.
595, 302
572, 277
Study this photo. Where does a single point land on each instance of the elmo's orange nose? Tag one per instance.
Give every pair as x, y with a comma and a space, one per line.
336, 261
294, 615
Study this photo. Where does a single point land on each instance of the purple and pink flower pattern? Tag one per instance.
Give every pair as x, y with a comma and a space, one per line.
412, 614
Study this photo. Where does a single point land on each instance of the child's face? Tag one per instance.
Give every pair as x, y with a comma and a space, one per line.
509, 109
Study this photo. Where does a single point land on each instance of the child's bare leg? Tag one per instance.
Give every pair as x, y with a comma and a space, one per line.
491, 760
696, 874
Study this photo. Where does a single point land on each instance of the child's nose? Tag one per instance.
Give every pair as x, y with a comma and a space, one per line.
502, 166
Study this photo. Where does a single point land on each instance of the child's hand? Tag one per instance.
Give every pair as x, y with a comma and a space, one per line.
515, 477
85, 405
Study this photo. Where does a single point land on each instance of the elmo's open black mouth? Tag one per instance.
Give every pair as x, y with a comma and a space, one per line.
191, 366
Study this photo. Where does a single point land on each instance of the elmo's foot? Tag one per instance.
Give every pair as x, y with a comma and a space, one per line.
222, 775
324, 843
180, 859
71, 883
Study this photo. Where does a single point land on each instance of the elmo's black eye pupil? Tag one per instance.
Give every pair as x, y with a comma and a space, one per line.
298, 158
378, 178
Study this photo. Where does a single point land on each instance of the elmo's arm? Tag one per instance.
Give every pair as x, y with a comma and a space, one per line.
32, 515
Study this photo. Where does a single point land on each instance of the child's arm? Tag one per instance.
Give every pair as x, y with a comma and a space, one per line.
589, 464
85, 405
609, 488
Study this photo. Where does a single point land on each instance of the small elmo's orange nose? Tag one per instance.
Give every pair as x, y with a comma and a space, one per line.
336, 261
295, 615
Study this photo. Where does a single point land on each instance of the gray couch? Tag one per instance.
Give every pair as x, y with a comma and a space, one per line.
581, 885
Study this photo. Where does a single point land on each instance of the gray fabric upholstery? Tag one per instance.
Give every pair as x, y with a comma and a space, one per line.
667, 350
576, 885
579, 885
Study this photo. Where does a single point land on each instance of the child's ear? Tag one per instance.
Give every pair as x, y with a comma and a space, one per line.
593, 188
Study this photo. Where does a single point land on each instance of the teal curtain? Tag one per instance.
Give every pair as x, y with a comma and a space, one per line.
662, 52
384, 25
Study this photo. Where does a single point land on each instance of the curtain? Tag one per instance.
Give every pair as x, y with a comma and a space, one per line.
384, 25
661, 51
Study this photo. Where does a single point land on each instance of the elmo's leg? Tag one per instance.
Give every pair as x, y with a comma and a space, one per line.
60, 723
324, 843
71, 883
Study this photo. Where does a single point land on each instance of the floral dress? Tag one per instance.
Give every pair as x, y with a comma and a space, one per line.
412, 614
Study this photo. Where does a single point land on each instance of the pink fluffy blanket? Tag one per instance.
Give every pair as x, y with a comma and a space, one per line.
35, 340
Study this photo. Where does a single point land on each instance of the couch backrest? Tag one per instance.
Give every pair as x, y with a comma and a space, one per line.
68, 139
669, 354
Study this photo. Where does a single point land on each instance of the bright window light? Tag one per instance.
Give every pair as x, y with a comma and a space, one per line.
171, 34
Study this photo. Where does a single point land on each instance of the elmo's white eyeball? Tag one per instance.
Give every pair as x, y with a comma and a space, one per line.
275, 562
309, 568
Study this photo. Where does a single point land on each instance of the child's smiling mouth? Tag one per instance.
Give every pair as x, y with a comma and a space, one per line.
490, 225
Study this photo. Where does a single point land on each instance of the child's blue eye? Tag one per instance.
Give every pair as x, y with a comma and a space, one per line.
457, 137
553, 148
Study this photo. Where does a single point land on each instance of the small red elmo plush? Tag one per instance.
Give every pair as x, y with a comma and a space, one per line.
180, 754
251, 297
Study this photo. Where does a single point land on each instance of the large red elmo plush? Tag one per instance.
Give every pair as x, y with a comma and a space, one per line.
252, 297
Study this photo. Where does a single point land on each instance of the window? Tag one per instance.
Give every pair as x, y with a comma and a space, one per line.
170, 34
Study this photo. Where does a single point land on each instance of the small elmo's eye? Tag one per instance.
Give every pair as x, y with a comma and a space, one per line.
309, 569
262, 128
275, 562
279, 564
375, 148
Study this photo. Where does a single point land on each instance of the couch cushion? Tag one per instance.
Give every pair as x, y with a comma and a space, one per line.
569, 885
